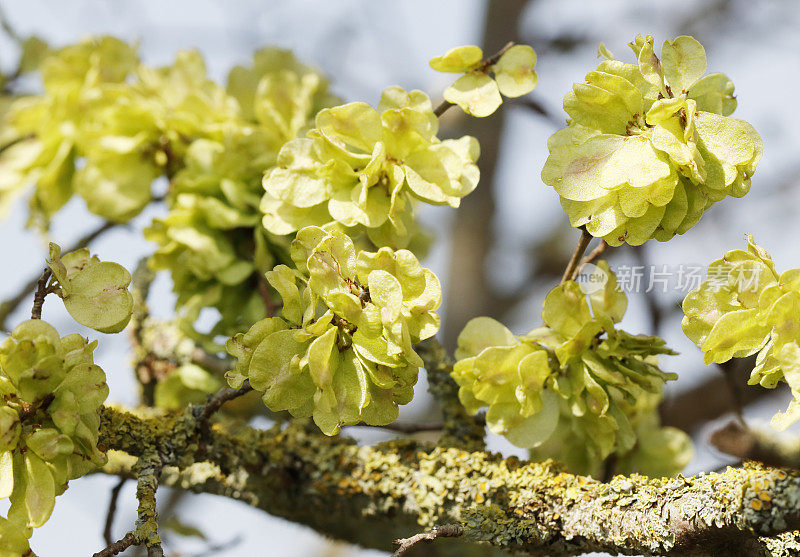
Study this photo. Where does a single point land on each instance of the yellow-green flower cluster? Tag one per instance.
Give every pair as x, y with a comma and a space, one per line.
364, 168
106, 127
211, 240
478, 91
576, 383
80, 82
649, 146
342, 349
747, 307
49, 424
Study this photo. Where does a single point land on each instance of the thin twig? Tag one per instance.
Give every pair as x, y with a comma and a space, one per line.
216, 401
727, 369
7, 307
406, 428
494, 58
446, 531
572, 266
417, 428
595, 253
5, 23
651, 297
148, 470
41, 292
117, 547
444, 106
112, 511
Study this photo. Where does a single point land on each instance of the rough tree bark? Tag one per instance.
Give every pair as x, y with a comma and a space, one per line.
372, 495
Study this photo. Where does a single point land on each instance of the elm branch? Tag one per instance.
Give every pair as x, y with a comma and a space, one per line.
373, 495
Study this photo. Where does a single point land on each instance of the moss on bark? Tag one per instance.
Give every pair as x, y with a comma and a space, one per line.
371, 495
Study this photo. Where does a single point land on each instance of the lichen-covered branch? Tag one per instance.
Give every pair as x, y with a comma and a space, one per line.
147, 470
373, 495
460, 429
39, 295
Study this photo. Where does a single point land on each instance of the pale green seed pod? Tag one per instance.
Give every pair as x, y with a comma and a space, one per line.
574, 388
342, 349
746, 307
649, 146
49, 421
362, 168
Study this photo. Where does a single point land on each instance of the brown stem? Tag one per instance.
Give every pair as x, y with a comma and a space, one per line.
112, 511
496, 56
118, 546
574, 261
216, 402
442, 108
41, 292
446, 531
735, 388
12, 33
406, 428
595, 253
